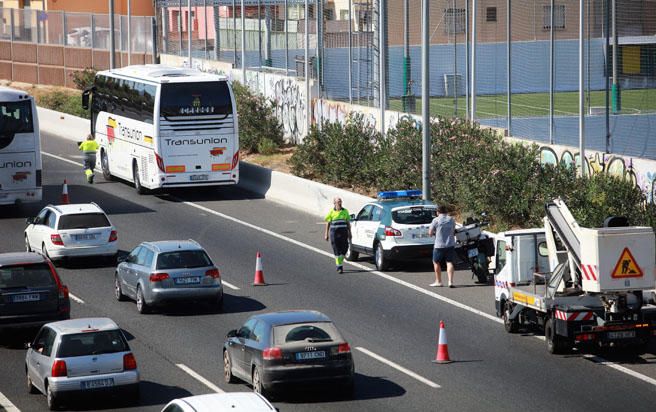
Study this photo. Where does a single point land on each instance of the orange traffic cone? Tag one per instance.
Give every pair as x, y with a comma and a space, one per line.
64, 196
259, 273
442, 347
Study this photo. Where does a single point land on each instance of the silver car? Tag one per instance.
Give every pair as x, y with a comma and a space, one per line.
80, 356
156, 273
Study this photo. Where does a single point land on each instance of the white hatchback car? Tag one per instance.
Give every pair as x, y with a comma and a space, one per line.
75, 230
217, 402
77, 357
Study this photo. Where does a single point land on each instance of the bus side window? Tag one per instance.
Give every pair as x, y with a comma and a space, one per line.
149, 103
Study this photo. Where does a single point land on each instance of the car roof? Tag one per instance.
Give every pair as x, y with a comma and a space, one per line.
287, 317
65, 327
163, 246
232, 401
13, 258
77, 208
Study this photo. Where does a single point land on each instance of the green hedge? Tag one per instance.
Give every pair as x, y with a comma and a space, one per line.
259, 128
70, 103
471, 168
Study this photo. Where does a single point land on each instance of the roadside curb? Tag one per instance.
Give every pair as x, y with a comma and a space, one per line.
292, 191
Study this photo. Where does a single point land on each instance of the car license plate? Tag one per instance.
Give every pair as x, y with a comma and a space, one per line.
320, 354
27, 297
624, 334
187, 280
88, 236
199, 177
98, 383
472, 252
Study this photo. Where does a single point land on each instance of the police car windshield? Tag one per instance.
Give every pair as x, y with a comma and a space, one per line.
416, 215
195, 99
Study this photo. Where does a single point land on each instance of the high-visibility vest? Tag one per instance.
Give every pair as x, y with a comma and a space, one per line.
89, 146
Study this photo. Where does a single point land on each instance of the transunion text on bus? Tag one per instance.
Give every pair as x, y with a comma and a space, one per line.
15, 164
204, 140
130, 133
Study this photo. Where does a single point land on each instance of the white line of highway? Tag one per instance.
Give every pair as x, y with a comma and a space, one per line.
199, 378
419, 289
398, 367
230, 285
75, 298
7, 405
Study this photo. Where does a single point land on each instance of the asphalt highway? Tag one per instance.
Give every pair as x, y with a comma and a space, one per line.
390, 319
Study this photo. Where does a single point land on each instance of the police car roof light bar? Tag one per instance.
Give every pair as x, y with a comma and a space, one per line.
399, 194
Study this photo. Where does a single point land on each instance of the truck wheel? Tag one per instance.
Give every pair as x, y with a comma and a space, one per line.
511, 325
555, 344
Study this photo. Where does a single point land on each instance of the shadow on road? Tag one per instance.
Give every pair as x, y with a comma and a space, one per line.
231, 304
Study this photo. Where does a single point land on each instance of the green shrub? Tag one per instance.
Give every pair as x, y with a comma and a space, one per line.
63, 102
257, 119
84, 78
267, 146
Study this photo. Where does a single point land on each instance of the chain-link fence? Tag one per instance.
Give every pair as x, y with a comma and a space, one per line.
509, 64
82, 30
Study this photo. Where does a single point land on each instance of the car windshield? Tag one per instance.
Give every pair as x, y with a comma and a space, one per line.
23, 276
415, 215
183, 259
92, 343
305, 332
83, 221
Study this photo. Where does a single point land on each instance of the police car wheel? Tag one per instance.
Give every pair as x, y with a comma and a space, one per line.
351, 255
379, 258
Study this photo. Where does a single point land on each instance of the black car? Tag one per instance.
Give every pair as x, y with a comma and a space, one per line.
31, 292
290, 347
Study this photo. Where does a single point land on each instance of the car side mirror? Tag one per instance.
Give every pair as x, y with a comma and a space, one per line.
30, 220
232, 334
353, 217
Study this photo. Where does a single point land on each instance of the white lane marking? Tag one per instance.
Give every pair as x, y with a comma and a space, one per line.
6, 404
199, 378
230, 285
398, 367
419, 289
63, 159
75, 298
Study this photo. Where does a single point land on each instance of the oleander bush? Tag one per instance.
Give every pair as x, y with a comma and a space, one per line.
84, 78
257, 120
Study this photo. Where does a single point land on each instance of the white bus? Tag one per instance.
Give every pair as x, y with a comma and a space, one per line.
163, 127
20, 149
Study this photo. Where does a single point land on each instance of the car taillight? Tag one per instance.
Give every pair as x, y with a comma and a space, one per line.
272, 353
213, 273
129, 362
63, 292
390, 231
113, 237
160, 162
235, 160
343, 348
56, 240
58, 369
158, 277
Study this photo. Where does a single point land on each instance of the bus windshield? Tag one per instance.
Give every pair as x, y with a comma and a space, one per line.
15, 117
193, 99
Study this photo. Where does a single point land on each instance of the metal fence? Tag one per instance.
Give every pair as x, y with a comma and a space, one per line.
509, 64
82, 30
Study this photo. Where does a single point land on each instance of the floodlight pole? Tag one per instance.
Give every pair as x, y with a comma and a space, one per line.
581, 91
425, 99
472, 117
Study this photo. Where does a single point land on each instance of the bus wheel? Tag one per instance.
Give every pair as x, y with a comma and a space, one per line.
104, 163
137, 183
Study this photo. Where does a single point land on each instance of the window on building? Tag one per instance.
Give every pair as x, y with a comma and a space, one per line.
328, 14
491, 14
343, 14
364, 20
455, 21
558, 17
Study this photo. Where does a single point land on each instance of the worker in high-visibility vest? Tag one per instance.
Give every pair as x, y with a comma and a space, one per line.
89, 147
339, 229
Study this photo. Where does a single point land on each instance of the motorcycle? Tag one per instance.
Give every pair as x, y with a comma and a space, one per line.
474, 247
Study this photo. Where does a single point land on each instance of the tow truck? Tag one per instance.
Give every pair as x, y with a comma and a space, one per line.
581, 286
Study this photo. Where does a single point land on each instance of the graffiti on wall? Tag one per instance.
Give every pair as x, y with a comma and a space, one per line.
641, 172
289, 96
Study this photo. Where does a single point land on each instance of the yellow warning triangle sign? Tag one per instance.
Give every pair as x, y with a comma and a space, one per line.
626, 267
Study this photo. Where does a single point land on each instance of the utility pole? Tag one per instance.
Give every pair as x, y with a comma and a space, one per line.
189, 30
425, 100
509, 66
129, 32
112, 46
617, 98
581, 91
472, 117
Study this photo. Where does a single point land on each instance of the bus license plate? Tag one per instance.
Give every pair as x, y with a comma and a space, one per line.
472, 253
199, 177
98, 383
624, 334
320, 354
27, 297
187, 281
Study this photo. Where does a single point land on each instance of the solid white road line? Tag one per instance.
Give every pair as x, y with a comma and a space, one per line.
199, 378
7, 405
75, 298
230, 285
63, 159
398, 367
416, 288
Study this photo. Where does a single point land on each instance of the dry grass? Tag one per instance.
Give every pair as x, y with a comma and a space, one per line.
38, 90
278, 161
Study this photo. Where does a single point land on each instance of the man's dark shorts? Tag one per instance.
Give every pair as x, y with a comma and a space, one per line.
443, 255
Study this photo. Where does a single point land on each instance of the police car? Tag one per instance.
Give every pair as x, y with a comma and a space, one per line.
395, 227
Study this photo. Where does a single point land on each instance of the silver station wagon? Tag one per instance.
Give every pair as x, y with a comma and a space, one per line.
81, 356
157, 273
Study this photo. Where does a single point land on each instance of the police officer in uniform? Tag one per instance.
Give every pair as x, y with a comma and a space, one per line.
89, 147
339, 228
